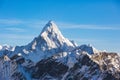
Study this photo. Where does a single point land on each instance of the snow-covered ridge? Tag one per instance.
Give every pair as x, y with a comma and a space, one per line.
89, 49
6, 47
51, 56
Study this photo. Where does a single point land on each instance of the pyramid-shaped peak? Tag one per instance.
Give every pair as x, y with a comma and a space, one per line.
52, 36
51, 22
50, 27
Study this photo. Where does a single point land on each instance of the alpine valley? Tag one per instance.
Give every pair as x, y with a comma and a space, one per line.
51, 56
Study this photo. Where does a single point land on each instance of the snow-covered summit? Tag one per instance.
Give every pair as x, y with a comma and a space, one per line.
6, 47
50, 26
89, 49
53, 37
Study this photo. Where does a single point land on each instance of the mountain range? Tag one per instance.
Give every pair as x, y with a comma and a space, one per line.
51, 56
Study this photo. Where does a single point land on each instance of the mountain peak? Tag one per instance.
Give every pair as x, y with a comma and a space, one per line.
51, 31
52, 35
51, 22
89, 49
50, 27
50, 41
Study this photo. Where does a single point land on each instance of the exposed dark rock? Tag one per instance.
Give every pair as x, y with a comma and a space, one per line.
51, 67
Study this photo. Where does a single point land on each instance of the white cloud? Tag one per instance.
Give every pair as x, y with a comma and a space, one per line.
92, 27
17, 24
16, 39
35, 23
87, 40
15, 29
16, 36
10, 22
39, 23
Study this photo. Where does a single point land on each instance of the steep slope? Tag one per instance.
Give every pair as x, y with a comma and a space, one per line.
53, 37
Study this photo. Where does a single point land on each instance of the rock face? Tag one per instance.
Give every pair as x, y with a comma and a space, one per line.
51, 56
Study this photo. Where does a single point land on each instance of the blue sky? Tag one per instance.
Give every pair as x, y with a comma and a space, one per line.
95, 22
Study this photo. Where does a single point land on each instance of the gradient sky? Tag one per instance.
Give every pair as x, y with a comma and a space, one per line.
95, 22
